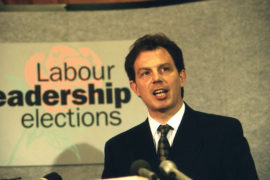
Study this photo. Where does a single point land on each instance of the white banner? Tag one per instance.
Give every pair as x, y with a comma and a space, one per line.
60, 102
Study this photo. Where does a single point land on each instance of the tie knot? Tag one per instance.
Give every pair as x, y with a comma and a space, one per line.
164, 129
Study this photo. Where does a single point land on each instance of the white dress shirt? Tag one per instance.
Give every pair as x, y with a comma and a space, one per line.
174, 122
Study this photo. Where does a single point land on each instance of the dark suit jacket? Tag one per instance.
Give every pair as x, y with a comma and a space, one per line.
206, 147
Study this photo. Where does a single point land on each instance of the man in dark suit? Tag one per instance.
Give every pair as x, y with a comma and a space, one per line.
203, 146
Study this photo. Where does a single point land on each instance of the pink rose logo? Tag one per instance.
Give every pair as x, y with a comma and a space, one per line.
64, 68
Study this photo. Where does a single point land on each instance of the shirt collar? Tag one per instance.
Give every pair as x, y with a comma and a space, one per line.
174, 121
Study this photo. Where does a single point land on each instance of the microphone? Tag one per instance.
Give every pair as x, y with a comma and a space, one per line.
52, 176
170, 169
142, 168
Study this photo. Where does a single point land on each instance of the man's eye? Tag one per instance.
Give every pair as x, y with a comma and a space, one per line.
145, 73
165, 68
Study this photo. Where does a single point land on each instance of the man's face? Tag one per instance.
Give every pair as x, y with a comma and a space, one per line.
157, 81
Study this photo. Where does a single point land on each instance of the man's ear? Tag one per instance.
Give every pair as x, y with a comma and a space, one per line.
182, 76
133, 86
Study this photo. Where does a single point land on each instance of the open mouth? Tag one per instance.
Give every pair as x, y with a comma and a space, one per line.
160, 92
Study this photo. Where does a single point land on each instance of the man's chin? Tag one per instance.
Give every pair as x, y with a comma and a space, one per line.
162, 109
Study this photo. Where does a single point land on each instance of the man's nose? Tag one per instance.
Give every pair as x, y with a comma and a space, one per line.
156, 77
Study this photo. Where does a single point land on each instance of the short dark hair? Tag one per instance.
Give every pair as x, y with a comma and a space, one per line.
152, 42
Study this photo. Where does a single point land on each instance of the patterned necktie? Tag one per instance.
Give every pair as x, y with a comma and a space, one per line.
163, 143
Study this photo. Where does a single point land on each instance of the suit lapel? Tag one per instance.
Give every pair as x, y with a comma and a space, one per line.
145, 148
187, 143
184, 151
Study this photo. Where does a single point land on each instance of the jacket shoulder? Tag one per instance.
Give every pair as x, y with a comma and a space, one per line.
217, 123
128, 135
212, 123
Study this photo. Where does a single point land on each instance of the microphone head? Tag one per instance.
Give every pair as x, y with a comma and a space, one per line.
52, 176
167, 166
170, 170
136, 165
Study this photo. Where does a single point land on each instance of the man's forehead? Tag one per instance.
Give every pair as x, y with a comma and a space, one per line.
152, 63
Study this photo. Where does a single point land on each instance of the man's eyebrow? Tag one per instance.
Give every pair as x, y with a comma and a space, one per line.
164, 64
144, 68
148, 68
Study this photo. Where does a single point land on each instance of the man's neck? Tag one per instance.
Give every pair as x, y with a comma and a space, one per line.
164, 116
